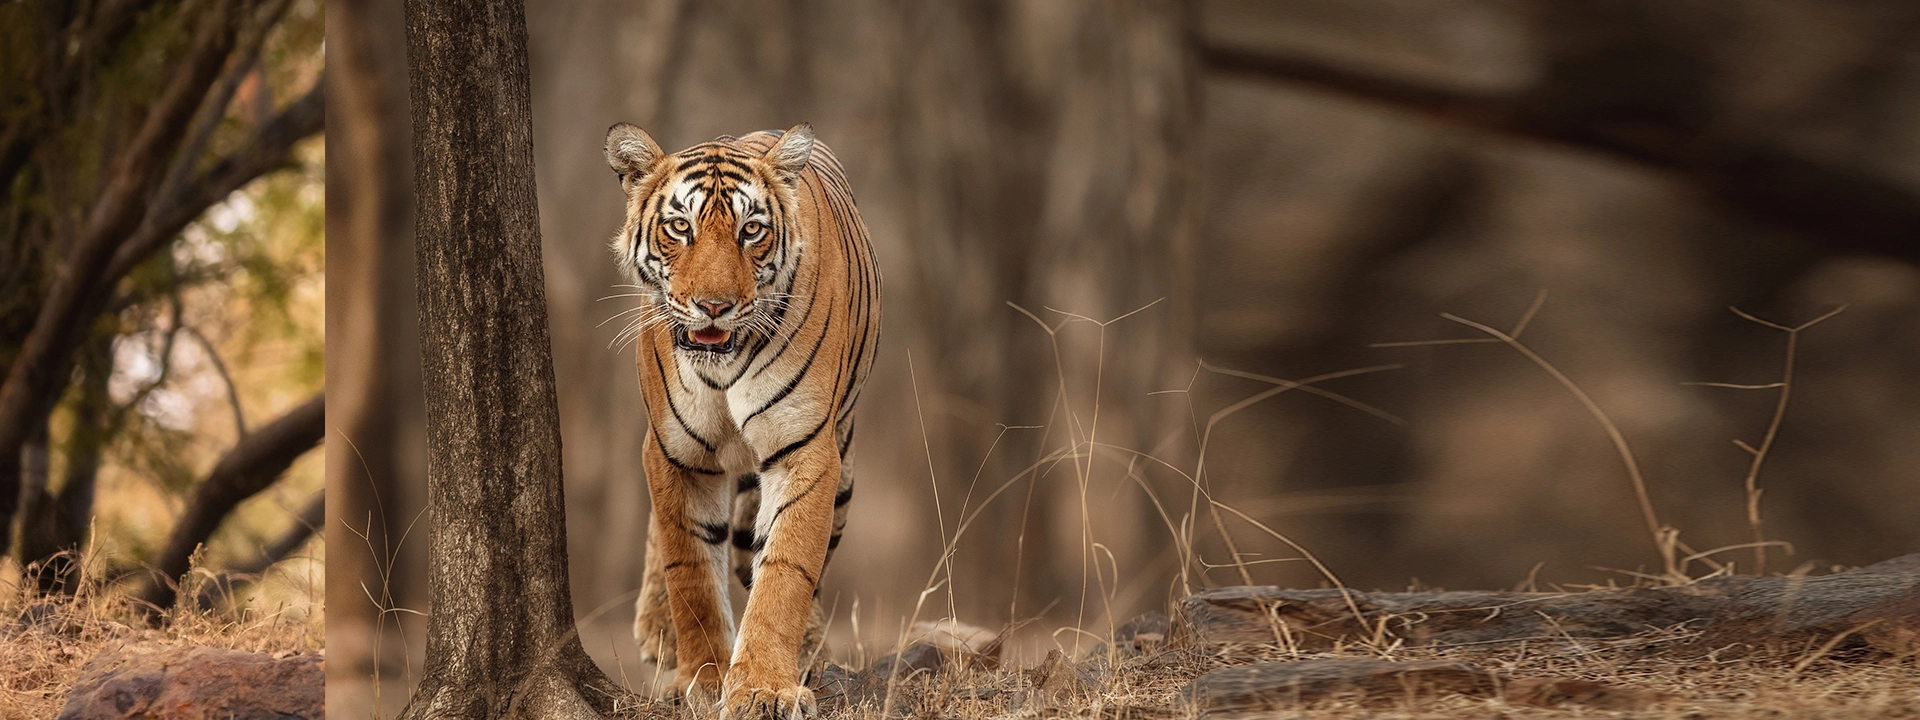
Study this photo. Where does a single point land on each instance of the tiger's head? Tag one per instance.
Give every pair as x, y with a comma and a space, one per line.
710, 234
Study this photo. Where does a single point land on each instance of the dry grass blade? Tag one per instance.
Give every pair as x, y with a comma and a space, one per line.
1664, 540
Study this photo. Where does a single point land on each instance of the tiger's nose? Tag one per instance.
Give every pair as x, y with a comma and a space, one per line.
714, 308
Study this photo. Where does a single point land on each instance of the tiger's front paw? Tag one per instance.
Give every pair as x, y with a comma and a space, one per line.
653, 628
656, 643
747, 702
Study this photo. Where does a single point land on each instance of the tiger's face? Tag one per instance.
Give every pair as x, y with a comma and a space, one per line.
708, 236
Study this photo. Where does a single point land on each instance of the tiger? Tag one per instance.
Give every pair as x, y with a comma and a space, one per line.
758, 324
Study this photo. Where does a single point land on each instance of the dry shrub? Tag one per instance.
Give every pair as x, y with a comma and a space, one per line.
47, 639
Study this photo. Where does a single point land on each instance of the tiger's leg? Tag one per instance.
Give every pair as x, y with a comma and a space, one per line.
842, 498
796, 518
690, 511
746, 506
652, 619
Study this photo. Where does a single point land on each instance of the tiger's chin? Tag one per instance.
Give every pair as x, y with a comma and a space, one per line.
709, 342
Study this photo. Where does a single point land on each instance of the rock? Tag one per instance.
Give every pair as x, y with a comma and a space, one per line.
953, 636
198, 683
918, 656
1585, 693
1279, 685
1145, 633
1876, 607
1319, 619
833, 687
836, 687
1058, 680
1276, 685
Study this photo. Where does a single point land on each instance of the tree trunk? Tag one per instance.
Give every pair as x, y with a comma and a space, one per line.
500, 635
53, 526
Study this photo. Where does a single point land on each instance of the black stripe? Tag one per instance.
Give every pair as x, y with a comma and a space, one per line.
743, 539
674, 461
812, 302
846, 439
833, 542
710, 533
789, 563
796, 498
683, 563
675, 410
774, 458
795, 380
844, 496
749, 481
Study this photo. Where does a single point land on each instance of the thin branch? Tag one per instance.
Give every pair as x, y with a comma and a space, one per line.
305, 524
242, 61
1752, 481
247, 468
269, 149
226, 378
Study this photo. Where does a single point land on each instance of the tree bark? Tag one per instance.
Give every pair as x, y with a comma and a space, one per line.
248, 467
501, 641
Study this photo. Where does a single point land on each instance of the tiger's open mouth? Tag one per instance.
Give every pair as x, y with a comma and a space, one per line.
707, 339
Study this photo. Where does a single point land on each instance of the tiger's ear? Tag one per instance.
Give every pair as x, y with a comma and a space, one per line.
789, 156
630, 152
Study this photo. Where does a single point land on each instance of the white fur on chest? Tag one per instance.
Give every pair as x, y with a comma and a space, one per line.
739, 421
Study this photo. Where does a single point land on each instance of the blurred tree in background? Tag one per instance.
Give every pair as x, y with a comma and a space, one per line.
161, 254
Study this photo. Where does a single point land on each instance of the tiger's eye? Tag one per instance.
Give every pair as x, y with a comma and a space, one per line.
753, 228
679, 225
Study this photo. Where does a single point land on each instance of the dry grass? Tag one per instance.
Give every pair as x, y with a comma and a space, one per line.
46, 640
1691, 687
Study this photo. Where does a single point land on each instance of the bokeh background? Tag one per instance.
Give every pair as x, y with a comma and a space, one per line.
1282, 186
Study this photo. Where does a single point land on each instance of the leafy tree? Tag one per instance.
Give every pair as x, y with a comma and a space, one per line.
134, 139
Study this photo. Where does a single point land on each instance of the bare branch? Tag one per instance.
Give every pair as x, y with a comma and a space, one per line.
304, 526
269, 149
214, 109
1841, 207
226, 378
250, 466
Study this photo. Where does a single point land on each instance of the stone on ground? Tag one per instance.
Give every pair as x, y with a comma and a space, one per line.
198, 683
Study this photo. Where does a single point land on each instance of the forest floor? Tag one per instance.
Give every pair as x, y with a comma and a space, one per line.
1160, 668
1845, 645
1623, 680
